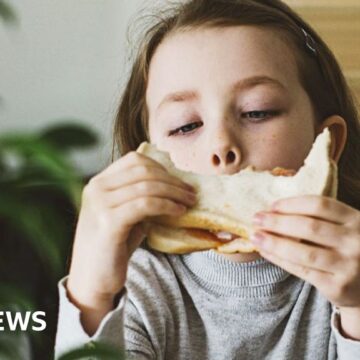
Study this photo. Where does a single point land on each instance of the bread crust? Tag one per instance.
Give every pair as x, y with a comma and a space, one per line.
181, 234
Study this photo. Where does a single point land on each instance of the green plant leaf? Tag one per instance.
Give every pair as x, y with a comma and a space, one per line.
7, 13
10, 347
104, 351
40, 161
69, 136
31, 222
36, 151
35, 173
11, 295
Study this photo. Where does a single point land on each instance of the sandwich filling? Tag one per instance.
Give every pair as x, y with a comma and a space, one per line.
222, 236
225, 236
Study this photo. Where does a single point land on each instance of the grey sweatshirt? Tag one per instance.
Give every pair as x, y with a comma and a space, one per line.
203, 306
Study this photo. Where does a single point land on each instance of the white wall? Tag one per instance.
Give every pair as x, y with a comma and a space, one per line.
65, 60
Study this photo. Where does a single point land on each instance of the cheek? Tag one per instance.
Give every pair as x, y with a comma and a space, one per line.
187, 160
290, 142
184, 159
286, 150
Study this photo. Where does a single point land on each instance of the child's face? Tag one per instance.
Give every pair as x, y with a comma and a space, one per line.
220, 138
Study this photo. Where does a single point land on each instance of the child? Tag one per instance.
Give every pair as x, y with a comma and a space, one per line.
222, 85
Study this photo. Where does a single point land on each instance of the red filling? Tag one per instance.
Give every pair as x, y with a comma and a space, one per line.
208, 235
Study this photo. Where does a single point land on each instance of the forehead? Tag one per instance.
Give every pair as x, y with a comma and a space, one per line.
217, 57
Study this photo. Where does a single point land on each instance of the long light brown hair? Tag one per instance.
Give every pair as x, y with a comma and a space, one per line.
319, 73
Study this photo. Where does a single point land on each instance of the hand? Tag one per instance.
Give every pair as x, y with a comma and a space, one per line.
317, 239
114, 203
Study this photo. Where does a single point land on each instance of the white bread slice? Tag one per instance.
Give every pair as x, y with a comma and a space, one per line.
229, 202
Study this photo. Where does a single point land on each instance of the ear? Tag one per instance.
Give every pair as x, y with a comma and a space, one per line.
338, 130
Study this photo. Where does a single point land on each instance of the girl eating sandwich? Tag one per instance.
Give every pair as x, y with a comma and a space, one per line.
222, 85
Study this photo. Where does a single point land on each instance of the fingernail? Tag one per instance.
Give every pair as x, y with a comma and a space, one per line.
257, 238
258, 219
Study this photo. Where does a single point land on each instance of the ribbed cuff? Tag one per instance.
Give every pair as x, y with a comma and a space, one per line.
70, 333
347, 349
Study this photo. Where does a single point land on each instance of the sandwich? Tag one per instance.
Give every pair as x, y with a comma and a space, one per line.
221, 219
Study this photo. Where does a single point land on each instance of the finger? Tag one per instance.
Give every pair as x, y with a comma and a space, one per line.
110, 176
317, 206
138, 209
136, 237
315, 277
139, 173
326, 260
149, 188
303, 227
129, 160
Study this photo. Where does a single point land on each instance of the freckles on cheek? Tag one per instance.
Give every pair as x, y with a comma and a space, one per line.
266, 143
185, 160
268, 152
179, 157
273, 151
286, 154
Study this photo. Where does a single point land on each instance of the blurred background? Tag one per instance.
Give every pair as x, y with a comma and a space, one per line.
65, 60
63, 65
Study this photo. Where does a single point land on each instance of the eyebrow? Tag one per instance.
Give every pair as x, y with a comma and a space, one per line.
241, 85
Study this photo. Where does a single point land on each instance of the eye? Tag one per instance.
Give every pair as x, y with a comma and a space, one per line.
185, 129
259, 115
255, 116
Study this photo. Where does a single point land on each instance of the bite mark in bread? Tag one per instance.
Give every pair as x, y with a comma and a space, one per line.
228, 202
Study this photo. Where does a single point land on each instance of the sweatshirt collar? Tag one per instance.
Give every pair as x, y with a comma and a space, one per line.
213, 268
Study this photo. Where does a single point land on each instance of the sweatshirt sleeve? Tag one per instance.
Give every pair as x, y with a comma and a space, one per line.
70, 333
347, 349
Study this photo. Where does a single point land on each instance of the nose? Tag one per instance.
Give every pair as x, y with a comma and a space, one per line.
225, 155
226, 159
223, 137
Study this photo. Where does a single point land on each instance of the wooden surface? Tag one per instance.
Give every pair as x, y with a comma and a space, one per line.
338, 23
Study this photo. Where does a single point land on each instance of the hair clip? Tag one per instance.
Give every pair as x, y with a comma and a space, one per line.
310, 42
